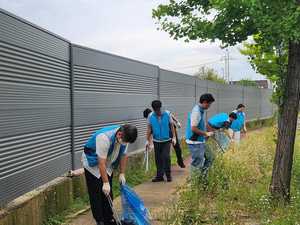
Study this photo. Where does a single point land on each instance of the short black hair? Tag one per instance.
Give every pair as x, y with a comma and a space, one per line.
129, 132
156, 104
206, 97
147, 112
233, 115
240, 106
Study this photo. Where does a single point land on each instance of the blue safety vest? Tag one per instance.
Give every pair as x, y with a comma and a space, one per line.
191, 135
90, 147
218, 120
238, 123
161, 131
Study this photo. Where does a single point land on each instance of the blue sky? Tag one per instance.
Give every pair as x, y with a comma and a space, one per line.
126, 28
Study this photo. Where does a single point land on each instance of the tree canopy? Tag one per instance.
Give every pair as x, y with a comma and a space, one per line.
272, 64
233, 21
209, 74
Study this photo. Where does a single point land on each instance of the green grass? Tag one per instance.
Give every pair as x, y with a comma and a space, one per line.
238, 187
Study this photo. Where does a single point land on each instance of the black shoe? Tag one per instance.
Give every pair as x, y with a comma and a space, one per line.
169, 178
100, 223
181, 165
157, 179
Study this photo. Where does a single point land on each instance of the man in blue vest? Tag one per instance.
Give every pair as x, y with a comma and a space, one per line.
195, 133
221, 120
177, 147
160, 123
103, 152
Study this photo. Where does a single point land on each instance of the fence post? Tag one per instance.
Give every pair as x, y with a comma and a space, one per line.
72, 106
196, 90
159, 83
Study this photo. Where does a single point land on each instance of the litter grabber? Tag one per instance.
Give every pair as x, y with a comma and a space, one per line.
146, 160
215, 138
115, 214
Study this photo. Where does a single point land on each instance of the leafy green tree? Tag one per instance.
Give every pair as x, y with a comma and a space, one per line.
270, 63
233, 21
247, 82
209, 74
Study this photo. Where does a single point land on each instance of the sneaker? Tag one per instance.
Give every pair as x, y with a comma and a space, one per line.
169, 178
157, 179
100, 223
181, 165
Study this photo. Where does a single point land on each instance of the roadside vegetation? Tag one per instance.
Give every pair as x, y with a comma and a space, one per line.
237, 188
136, 176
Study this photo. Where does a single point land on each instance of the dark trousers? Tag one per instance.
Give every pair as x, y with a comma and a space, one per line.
162, 158
99, 203
178, 150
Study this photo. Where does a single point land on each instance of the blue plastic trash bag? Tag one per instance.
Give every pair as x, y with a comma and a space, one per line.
134, 211
223, 140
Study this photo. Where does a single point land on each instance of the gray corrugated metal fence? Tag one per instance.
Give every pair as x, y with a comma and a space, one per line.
54, 95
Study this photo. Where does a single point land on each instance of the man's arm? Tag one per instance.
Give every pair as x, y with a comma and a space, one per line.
123, 162
149, 129
174, 118
102, 168
195, 130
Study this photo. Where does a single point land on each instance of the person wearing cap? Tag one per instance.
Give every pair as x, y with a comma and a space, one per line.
221, 120
195, 139
105, 151
160, 124
177, 147
236, 125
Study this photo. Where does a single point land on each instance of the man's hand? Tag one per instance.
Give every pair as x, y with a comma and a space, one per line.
245, 130
122, 178
147, 144
209, 134
179, 125
174, 141
106, 188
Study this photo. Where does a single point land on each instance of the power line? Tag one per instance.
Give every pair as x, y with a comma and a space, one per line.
195, 65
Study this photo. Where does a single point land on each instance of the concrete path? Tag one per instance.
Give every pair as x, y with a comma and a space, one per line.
154, 195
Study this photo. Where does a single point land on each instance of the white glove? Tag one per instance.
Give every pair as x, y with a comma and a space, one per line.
147, 143
122, 178
106, 188
209, 134
173, 141
179, 125
245, 130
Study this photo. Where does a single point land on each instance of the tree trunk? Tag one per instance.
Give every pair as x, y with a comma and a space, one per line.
282, 168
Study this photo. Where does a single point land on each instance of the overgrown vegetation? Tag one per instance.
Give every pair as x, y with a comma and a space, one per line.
237, 188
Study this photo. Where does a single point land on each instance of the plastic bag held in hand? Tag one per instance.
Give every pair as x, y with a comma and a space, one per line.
122, 178
178, 124
245, 130
106, 188
209, 134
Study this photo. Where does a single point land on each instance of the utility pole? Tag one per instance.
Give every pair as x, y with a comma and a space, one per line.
227, 58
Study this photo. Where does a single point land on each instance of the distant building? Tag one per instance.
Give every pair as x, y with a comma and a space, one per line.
261, 83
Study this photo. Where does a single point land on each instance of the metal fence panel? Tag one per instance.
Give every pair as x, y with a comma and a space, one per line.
177, 94
252, 102
108, 90
35, 107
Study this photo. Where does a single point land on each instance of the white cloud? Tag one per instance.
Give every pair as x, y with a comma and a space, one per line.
126, 28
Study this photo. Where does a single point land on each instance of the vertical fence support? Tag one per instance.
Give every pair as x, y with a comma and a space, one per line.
196, 90
260, 105
159, 83
72, 107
